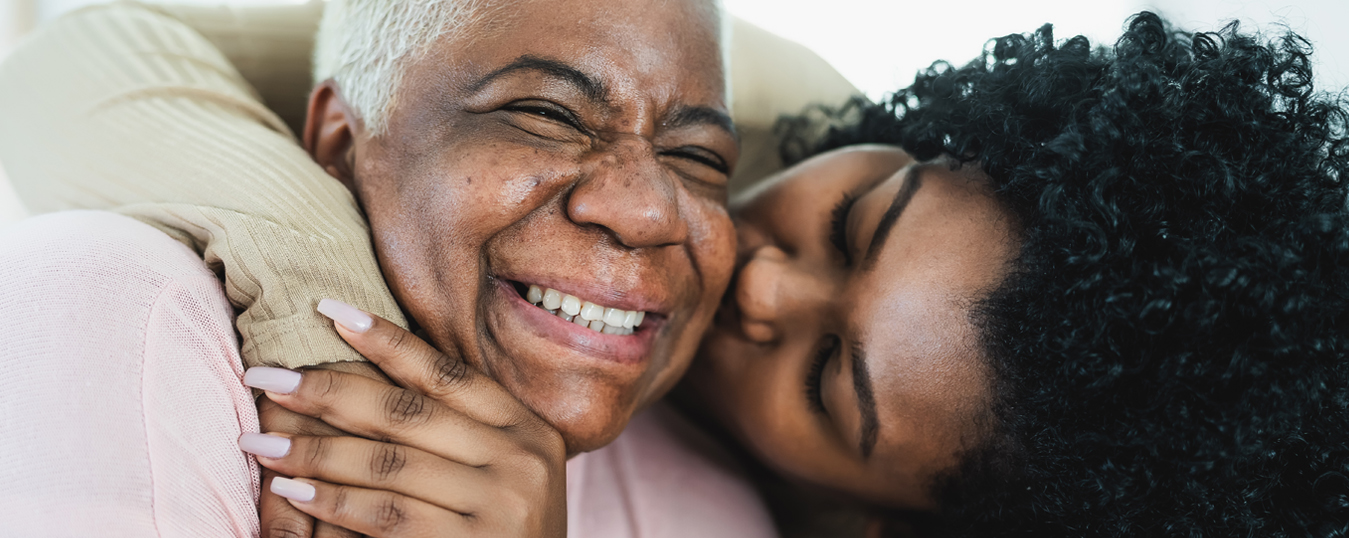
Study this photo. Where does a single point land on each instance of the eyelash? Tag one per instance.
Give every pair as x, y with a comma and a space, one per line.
705, 161
569, 120
838, 225
816, 374
549, 113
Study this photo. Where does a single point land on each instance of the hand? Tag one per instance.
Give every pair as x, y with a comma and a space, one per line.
457, 455
279, 518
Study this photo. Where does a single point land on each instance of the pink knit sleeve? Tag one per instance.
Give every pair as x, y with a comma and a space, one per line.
120, 393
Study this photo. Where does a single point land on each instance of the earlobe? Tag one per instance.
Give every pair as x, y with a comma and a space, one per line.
329, 132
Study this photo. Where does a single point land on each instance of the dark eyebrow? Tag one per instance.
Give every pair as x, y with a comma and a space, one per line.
911, 184
700, 115
866, 401
593, 89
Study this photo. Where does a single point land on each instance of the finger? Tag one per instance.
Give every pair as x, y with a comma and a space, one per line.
375, 410
373, 512
370, 464
323, 529
415, 364
272, 417
279, 518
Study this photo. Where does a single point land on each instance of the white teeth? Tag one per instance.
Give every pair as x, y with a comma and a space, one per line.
552, 299
571, 305
592, 311
585, 313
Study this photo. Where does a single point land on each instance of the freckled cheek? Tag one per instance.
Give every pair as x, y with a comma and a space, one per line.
713, 241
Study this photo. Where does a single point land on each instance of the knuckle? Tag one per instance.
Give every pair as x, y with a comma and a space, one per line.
388, 461
389, 515
287, 527
327, 384
404, 407
316, 451
450, 372
339, 503
397, 341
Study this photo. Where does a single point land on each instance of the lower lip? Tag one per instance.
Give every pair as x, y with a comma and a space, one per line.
623, 349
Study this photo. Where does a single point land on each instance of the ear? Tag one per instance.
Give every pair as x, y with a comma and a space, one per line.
330, 131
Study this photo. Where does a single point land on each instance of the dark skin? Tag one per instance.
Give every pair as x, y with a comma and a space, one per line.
444, 452
584, 147
844, 357
847, 361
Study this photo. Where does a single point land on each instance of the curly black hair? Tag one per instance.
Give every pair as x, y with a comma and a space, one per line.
1170, 348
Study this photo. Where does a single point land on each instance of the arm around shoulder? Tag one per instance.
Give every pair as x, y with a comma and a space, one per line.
124, 108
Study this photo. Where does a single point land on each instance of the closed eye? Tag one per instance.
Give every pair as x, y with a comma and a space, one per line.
838, 225
700, 156
814, 394
547, 111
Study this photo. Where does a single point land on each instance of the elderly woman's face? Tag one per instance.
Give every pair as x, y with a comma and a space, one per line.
844, 356
579, 146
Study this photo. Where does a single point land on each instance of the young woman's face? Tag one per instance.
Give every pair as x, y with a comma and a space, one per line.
844, 354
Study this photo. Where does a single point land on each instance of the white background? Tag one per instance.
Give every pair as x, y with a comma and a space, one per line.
880, 44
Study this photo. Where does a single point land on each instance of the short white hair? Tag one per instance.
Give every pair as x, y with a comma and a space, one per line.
365, 45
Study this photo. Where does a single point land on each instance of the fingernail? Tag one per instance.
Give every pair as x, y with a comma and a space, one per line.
293, 489
346, 315
278, 380
267, 446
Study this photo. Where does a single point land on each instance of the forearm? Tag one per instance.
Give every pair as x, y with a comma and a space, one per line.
125, 109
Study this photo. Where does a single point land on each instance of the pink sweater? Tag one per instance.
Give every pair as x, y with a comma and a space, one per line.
121, 404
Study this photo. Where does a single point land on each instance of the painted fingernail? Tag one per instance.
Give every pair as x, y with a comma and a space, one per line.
278, 380
293, 489
346, 315
267, 446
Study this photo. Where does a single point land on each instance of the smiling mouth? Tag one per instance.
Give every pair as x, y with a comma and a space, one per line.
596, 317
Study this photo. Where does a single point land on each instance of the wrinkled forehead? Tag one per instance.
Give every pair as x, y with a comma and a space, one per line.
634, 47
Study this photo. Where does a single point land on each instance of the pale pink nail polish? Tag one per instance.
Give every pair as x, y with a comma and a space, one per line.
293, 489
346, 315
267, 446
278, 380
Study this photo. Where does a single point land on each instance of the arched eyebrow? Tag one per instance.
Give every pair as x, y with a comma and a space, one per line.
912, 182
591, 87
866, 401
684, 116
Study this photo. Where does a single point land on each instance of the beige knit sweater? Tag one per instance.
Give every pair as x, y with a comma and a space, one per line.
126, 108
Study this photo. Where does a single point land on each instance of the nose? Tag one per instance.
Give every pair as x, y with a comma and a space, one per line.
774, 294
626, 191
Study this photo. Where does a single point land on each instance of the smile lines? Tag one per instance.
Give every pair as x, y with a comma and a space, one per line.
585, 313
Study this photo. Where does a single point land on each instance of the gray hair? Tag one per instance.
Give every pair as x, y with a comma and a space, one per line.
364, 46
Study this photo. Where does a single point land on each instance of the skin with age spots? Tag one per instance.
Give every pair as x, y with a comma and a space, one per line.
844, 356
584, 147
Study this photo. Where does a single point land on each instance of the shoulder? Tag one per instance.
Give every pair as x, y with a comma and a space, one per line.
85, 258
99, 241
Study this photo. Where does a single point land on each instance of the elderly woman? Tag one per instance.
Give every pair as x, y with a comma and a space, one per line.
1080, 292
